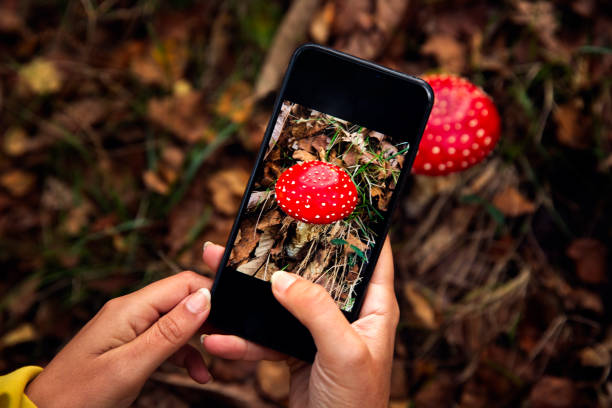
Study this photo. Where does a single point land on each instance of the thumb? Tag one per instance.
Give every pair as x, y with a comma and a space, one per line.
314, 308
171, 331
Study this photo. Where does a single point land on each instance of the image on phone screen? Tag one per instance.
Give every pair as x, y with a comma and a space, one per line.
315, 204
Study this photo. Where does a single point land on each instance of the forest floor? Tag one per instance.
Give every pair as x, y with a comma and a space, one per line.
129, 130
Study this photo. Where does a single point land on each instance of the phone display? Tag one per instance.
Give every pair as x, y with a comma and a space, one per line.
337, 150
315, 205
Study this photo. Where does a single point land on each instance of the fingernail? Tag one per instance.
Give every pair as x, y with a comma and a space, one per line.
198, 301
281, 280
202, 337
207, 243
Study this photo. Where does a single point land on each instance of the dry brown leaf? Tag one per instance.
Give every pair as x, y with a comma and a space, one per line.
355, 241
270, 219
320, 27
553, 392
236, 103
449, 52
183, 115
420, 307
77, 218
540, 17
226, 188
21, 334
303, 155
10, 20
597, 356
589, 256
40, 76
154, 183
161, 64
17, 182
248, 239
570, 125
273, 380
15, 141
512, 203
173, 156
57, 195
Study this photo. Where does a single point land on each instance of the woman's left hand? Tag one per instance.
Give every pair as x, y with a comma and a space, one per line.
108, 361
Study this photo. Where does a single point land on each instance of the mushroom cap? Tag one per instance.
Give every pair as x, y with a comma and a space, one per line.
462, 130
316, 192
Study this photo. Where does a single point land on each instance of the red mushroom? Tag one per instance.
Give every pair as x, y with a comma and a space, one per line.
463, 128
316, 192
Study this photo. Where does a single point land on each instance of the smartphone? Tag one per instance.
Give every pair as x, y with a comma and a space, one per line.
337, 150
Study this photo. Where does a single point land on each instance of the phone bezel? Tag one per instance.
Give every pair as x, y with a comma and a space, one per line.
244, 305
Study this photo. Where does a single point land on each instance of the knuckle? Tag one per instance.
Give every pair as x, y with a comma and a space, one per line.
188, 275
313, 293
169, 330
358, 355
113, 305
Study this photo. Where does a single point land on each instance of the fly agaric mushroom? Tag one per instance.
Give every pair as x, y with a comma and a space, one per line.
316, 192
463, 128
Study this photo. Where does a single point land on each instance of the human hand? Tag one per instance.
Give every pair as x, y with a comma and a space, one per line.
352, 367
108, 361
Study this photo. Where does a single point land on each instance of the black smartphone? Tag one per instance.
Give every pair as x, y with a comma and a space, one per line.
337, 150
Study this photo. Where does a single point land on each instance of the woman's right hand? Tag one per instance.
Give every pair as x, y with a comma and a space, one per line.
352, 367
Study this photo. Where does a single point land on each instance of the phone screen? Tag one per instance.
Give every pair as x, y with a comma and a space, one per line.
316, 205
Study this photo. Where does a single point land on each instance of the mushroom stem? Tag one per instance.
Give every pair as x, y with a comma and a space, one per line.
304, 233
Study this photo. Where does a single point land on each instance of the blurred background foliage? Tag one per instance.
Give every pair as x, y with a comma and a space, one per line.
129, 129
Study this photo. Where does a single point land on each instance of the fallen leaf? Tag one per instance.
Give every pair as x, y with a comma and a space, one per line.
589, 256
21, 334
56, 195
17, 182
437, 392
273, 380
173, 156
303, 155
320, 27
420, 307
553, 392
571, 126
154, 183
540, 17
512, 203
399, 380
15, 141
597, 356
226, 188
77, 218
162, 63
236, 102
10, 20
449, 52
182, 115
40, 76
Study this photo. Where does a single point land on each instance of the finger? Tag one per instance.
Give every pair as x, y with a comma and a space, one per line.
314, 308
236, 348
189, 358
173, 330
379, 314
212, 254
165, 294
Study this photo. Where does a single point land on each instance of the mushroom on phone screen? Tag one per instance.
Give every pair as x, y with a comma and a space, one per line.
316, 192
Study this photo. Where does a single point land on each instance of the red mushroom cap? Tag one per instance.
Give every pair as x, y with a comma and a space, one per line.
316, 192
463, 128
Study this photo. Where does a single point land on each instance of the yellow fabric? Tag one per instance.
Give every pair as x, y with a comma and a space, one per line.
12, 387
